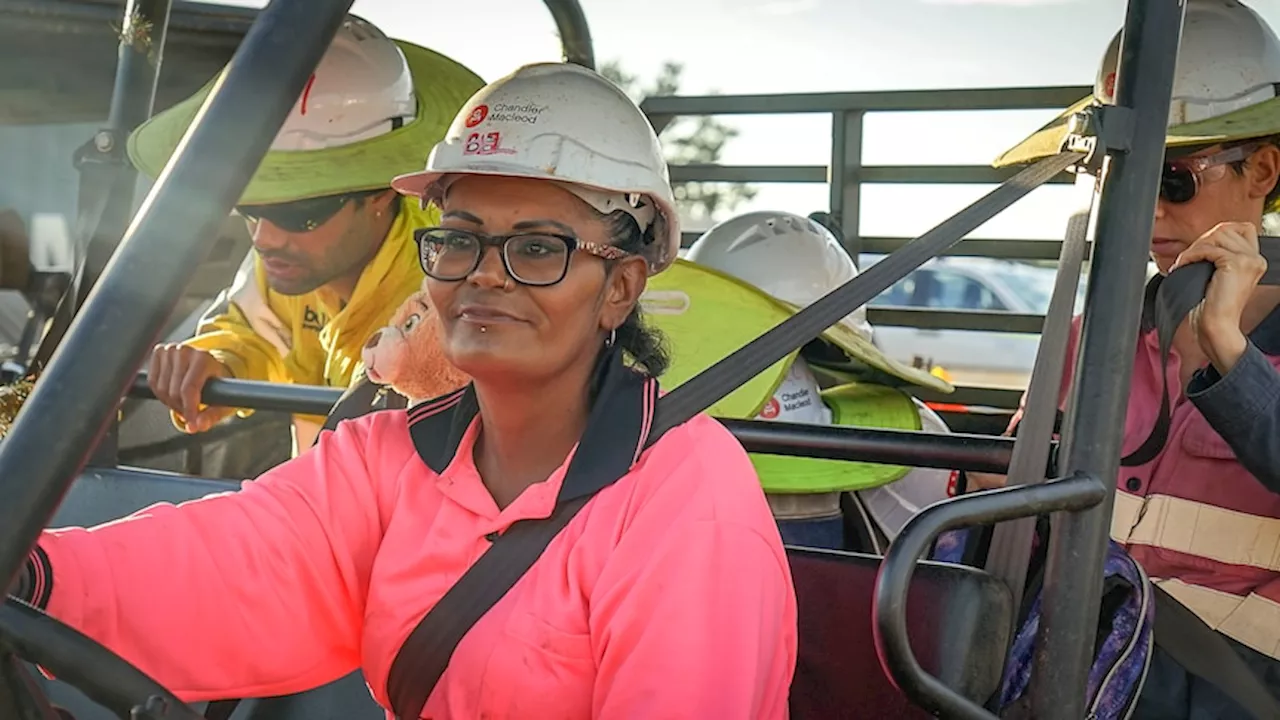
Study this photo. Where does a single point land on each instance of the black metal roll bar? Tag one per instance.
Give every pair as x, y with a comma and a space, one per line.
1075, 493
957, 451
73, 404
575, 34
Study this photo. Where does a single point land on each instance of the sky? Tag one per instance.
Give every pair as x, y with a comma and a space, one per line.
780, 46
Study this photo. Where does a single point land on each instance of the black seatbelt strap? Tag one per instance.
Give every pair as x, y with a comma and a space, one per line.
361, 397
1205, 653
618, 430
1010, 551
1172, 298
220, 709
717, 381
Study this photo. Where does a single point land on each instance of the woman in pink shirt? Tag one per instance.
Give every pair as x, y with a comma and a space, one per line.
667, 595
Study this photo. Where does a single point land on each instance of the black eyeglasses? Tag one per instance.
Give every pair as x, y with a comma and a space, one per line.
537, 259
302, 216
1181, 178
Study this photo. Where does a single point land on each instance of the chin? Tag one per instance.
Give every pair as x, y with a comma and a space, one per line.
482, 360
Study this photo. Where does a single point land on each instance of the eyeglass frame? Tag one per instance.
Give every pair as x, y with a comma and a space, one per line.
501, 242
1196, 165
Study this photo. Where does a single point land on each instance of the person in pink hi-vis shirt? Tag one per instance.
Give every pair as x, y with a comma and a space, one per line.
668, 595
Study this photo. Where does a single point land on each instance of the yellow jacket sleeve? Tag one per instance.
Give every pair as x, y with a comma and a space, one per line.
242, 331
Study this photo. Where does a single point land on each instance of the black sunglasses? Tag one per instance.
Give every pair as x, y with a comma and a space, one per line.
537, 259
302, 216
1181, 178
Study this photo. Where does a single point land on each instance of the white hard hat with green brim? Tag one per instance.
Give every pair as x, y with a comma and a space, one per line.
1224, 88
707, 314
372, 110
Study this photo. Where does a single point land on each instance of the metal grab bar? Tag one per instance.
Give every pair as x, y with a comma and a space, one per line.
889, 630
956, 451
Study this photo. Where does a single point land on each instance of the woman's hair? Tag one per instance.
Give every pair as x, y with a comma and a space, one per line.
1274, 196
645, 345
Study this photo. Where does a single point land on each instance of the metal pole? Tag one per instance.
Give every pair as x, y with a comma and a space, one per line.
1091, 446
107, 178
575, 34
75, 398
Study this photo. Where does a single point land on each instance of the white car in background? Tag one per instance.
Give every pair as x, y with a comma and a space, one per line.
970, 357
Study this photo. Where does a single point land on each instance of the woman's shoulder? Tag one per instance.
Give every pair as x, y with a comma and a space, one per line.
702, 467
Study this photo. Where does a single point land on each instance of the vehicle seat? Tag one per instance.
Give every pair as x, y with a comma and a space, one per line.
959, 621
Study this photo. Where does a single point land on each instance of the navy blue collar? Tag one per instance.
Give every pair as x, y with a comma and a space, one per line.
617, 428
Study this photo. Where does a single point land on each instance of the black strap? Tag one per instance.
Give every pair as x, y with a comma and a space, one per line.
618, 430
220, 709
1205, 653
361, 397
1170, 300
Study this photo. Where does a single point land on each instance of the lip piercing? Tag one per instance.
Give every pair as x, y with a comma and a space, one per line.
484, 329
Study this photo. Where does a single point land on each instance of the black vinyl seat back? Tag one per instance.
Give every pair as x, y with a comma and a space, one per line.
958, 617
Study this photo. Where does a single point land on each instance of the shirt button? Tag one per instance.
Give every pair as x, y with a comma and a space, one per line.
1133, 484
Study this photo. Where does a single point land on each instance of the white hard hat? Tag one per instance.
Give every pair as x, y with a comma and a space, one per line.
565, 123
798, 399
361, 88
1228, 59
1228, 63
788, 256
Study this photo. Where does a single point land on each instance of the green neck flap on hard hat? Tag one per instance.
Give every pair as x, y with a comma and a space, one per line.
852, 405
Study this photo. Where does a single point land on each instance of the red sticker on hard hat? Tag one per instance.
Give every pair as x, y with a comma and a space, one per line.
477, 116
306, 93
953, 483
486, 144
1109, 85
771, 409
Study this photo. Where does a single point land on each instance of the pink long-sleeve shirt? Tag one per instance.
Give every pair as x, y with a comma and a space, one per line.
667, 596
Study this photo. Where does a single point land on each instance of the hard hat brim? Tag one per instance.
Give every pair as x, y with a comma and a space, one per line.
441, 84
1253, 121
724, 313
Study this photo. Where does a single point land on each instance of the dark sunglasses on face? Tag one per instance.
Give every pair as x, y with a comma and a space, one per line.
536, 259
1180, 180
302, 216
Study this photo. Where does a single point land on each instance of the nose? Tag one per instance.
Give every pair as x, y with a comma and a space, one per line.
373, 340
490, 273
266, 236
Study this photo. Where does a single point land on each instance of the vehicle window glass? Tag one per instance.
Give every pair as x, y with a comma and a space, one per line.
952, 291
900, 294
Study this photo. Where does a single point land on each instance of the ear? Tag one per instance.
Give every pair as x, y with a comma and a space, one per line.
625, 284
1263, 170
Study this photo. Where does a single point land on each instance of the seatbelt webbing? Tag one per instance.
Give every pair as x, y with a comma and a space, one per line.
717, 381
1175, 297
1205, 653
1010, 552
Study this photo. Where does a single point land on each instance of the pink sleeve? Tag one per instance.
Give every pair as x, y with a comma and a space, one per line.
254, 593
697, 621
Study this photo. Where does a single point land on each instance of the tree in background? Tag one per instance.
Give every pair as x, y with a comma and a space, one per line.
698, 139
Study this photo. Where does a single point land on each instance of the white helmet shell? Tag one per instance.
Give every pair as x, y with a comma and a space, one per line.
787, 256
565, 123
361, 88
1228, 59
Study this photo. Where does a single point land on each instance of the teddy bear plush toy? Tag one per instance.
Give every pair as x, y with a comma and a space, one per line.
406, 354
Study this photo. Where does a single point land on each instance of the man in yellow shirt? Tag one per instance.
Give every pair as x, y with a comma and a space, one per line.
333, 250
